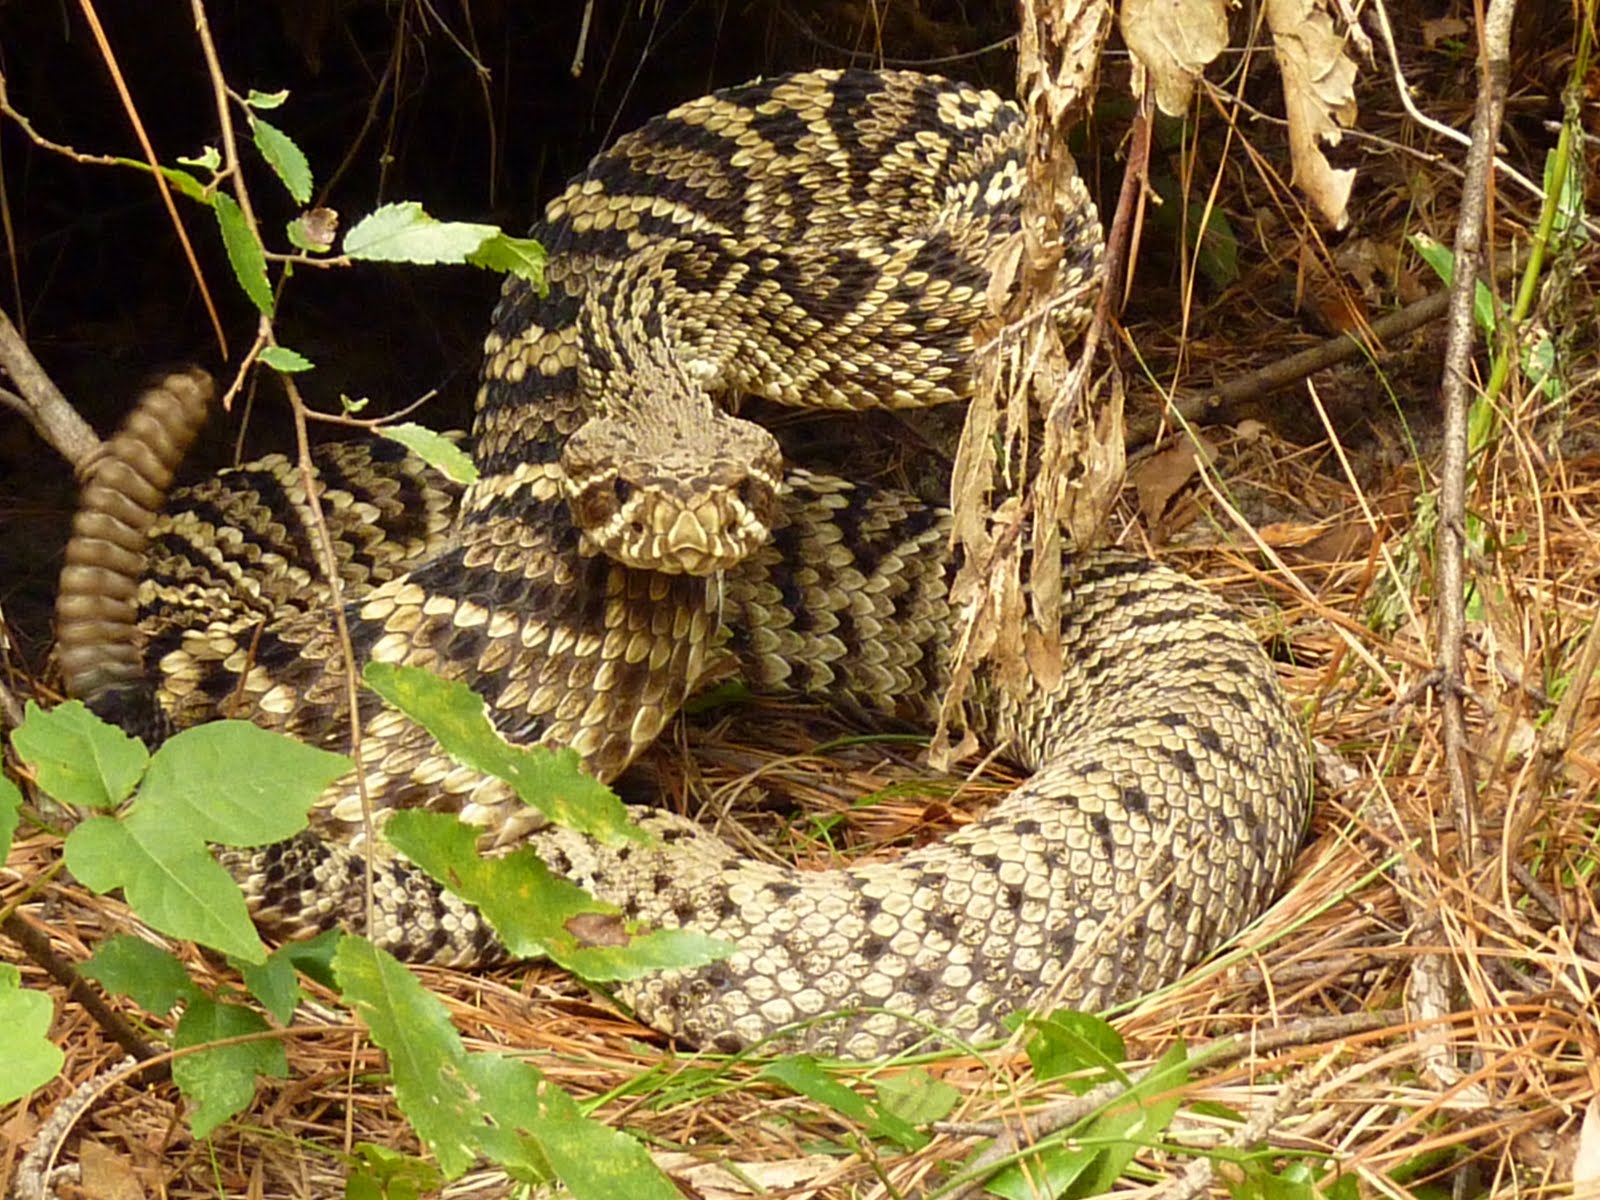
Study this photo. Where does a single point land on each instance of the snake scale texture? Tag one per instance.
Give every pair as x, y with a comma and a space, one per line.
819, 240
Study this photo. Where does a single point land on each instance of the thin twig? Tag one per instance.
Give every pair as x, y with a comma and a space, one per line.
39, 400
1452, 537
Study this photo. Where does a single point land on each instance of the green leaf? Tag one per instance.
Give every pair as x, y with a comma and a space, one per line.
285, 361
273, 984
168, 877
801, 1073
1068, 1043
266, 100
131, 966
10, 806
1443, 261
1137, 1120
80, 759
425, 1052
405, 233
31, 1058
522, 257
594, 1161
314, 956
314, 230
536, 913
549, 780
186, 183
1045, 1174
386, 1174
438, 451
195, 781
249, 261
284, 157
916, 1097
221, 1081
207, 160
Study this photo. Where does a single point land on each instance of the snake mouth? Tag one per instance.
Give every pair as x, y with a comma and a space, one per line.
675, 530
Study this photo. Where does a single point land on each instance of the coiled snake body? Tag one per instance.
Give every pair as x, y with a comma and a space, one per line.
819, 239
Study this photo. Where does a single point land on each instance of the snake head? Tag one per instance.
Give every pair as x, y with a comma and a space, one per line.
682, 497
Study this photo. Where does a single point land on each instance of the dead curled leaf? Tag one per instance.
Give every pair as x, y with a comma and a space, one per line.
1175, 40
1319, 98
1158, 478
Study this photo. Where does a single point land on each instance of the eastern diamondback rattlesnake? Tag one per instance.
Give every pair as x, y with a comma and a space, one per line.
819, 239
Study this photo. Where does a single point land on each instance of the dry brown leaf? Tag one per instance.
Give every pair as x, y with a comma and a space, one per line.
1157, 478
107, 1175
1438, 29
1319, 97
1175, 40
1586, 1164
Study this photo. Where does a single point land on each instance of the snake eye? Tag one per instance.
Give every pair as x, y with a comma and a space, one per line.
748, 493
623, 490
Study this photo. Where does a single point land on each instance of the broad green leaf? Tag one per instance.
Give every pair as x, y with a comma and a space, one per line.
522, 257
1045, 1174
10, 805
81, 760
235, 784
801, 1073
262, 101
131, 966
1137, 1120
273, 984
168, 877
314, 956
594, 1161
284, 157
438, 451
1217, 252
249, 261
31, 1058
385, 1174
221, 1081
405, 233
285, 360
536, 913
916, 1097
1069, 1043
426, 1057
549, 780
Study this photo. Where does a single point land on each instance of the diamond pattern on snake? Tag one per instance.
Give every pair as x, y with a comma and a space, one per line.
819, 240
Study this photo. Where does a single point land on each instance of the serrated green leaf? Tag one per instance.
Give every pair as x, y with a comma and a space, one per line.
195, 782
802, 1074
31, 1058
286, 159
549, 780
131, 966
522, 257
248, 260
285, 360
405, 233
168, 878
221, 1081
426, 1057
273, 984
593, 1161
81, 760
266, 100
438, 451
10, 808
536, 913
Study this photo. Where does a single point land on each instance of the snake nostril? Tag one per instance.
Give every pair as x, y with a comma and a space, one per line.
623, 490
